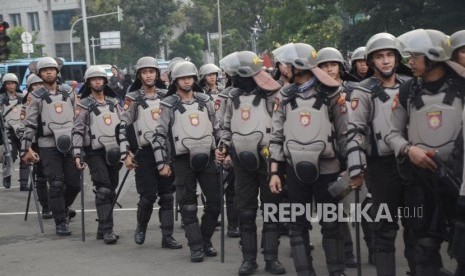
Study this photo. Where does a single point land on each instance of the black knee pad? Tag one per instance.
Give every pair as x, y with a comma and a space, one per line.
426, 250
56, 186
331, 230
104, 195
145, 203
384, 239
247, 220
189, 214
166, 201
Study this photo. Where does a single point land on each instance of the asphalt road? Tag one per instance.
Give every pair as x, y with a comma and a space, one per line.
26, 251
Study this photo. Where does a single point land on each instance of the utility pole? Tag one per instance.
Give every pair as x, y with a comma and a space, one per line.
220, 38
86, 34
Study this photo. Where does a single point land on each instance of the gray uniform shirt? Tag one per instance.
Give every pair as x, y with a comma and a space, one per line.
228, 113
338, 111
81, 137
166, 120
33, 111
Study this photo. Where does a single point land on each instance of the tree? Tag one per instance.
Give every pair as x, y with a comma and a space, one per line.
15, 44
146, 27
188, 46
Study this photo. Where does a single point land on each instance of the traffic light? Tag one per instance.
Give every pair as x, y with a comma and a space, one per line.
4, 51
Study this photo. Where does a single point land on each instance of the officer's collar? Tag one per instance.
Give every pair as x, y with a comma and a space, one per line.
306, 85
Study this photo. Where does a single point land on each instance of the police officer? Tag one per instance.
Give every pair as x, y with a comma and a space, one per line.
246, 131
10, 106
281, 74
49, 115
33, 82
208, 74
142, 110
188, 123
311, 157
425, 117
359, 67
330, 60
370, 158
457, 44
220, 107
94, 141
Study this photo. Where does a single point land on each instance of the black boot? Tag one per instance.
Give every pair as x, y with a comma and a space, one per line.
209, 250
103, 201
46, 213
248, 242
7, 182
334, 252
248, 267
385, 264
169, 242
233, 231
144, 212
62, 228
110, 238
300, 249
194, 239
270, 249
139, 234
167, 224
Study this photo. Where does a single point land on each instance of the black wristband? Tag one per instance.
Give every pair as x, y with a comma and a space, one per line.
273, 173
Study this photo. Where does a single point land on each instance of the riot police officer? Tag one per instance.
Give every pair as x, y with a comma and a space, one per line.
457, 44
425, 118
311, 157
359, 67
330, 60
187, 124
94, 142
10, 106
49, 115
208, 75
246, 130
229, 192
33, 82
370, 159
142, 110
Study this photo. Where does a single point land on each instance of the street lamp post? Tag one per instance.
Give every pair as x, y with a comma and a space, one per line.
220, 35
119, 12
86, 34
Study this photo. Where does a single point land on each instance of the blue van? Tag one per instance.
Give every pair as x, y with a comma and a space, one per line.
70, 71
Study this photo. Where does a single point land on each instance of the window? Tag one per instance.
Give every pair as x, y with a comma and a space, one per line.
34, 21
63, 50
15, 20
62, 20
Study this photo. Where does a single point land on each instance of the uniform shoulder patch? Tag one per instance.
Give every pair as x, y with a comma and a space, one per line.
276, 104
354, 103
127, 102
395, 101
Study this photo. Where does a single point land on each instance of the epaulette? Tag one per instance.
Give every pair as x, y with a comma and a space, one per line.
64, 88
203, 97
170, 101
133, 95
288, 90
234, 92
402, 78
368, 84
39, 93
162, 92
86, 103
327, 91
225, 92
112, 100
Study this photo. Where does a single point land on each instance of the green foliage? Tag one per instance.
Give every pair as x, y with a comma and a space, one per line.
188, 46
15, 44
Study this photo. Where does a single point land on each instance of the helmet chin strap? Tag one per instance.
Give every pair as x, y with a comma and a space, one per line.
385, 75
